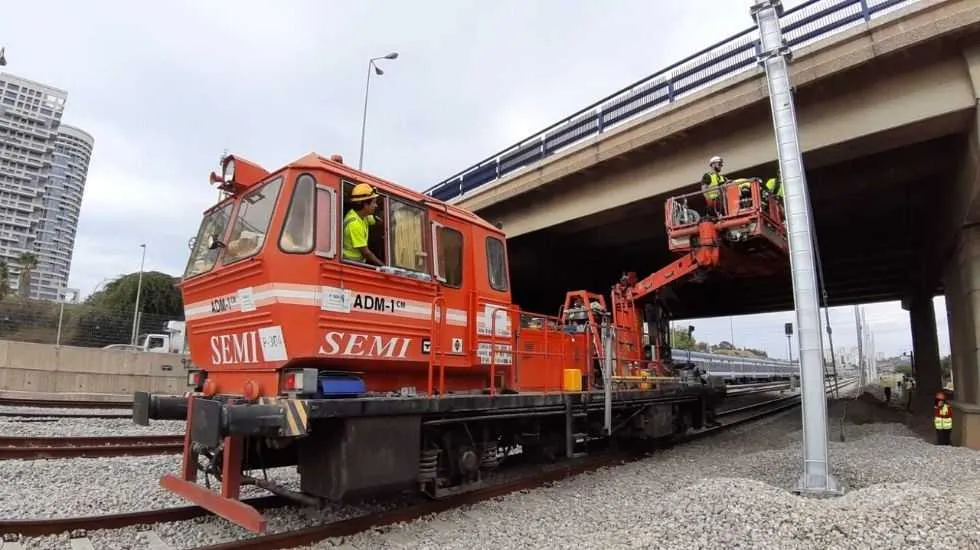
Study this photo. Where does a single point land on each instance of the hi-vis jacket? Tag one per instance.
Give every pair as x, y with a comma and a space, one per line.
943, 419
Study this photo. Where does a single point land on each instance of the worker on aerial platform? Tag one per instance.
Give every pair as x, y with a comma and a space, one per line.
775, 187
710, 182
357, 224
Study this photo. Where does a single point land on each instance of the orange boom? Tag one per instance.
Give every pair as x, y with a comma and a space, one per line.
419, 372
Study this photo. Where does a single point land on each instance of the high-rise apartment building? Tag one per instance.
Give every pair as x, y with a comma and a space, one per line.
43, 166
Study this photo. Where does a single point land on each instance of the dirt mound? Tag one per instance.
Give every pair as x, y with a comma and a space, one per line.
865, 409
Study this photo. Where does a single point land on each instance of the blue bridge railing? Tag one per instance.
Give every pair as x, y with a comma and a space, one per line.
802, 25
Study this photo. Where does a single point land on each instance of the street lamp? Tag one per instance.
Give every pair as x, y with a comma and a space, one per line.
63, 294
139, 288
367, 88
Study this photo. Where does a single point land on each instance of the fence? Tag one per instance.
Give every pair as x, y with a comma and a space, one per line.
802, 25
43, 322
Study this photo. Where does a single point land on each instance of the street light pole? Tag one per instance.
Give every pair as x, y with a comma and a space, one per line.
139, 288
367, 88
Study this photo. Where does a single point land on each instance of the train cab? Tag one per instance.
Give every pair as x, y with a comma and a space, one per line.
278, 300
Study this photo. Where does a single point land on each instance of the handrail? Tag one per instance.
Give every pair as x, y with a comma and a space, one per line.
435, 343
803, 25
493, 345
551, 325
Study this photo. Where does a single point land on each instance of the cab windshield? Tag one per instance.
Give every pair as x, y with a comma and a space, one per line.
252, 222
202, 258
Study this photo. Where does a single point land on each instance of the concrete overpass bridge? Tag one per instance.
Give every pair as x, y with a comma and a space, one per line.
886, 94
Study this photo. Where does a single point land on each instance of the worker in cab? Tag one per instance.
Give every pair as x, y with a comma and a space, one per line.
942, 419
357, 225
710, 183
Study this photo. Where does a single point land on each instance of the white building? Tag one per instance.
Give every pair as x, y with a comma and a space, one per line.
43, 168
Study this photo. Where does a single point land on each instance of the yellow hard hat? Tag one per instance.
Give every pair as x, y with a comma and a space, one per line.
362, 192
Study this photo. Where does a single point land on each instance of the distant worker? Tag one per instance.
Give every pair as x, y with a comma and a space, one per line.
710, 182
942, 420
357, 225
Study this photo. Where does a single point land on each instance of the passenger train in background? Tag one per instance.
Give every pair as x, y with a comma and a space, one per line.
735, 369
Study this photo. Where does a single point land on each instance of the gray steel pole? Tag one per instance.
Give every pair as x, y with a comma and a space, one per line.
860, 340
367, 89
139, 288
608, 371
816, 476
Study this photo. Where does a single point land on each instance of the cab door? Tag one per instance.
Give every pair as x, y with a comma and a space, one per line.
454, 275
496, 320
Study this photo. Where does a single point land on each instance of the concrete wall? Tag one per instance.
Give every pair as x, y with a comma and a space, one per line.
45, 368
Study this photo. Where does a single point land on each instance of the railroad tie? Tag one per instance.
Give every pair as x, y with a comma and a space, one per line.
10, 545
82, 543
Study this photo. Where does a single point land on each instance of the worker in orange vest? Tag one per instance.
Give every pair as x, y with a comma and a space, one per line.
942, 419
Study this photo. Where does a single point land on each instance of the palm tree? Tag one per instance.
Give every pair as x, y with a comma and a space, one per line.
28, 263
4, 279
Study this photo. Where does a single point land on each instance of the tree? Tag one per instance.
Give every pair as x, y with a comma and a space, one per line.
683, 339
28, 263
4, 279
159, 294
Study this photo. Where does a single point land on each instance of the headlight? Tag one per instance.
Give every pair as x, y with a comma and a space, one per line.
229, 170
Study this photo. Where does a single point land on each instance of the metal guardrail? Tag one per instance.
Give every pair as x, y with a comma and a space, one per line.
802, 25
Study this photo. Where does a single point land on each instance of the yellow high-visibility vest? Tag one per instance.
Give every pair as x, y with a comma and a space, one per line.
943, 422
775, 186
716, 179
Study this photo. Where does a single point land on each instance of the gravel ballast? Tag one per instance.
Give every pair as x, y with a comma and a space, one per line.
732, 491
727, 491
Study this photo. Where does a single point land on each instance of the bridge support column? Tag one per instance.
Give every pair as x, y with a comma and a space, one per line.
925, 346
962, 283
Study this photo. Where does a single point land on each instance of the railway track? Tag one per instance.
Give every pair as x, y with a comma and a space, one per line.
80, 447
64, 403
42, 527
352, 526
57, 415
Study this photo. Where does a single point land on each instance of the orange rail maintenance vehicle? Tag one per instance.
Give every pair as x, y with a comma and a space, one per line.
418, 373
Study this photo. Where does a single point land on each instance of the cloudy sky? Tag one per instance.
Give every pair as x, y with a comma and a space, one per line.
166, 87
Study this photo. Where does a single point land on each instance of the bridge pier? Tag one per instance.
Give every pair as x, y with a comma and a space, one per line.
962, 282
925, 347
961, 277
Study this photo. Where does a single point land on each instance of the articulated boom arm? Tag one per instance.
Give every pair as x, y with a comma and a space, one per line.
706, 255
749, 227
628, 322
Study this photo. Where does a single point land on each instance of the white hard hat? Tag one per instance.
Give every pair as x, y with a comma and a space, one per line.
714, 159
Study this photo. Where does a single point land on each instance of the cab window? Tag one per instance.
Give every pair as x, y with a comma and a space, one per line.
449, 246
202, 258
326, 222
496, 264
407, 236
297, 230
252, 222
